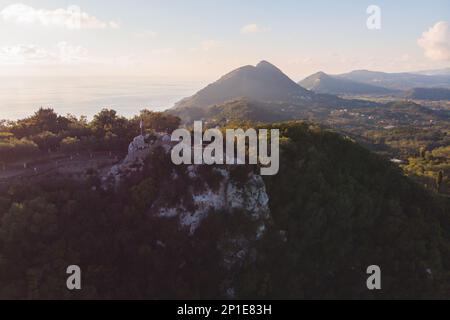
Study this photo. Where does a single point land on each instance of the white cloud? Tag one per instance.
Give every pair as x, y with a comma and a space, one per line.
436, 42
21, 54
30, 54
72, 18
253, 28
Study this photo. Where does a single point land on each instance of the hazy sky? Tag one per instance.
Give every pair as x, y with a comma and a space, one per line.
202, 39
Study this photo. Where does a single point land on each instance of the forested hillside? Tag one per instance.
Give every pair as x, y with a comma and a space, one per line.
335, 209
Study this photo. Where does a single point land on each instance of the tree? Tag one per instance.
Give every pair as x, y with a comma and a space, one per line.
439, 180
78, 127
42, 121
107, 121
47, 141
3, 125
158, 121
70, 144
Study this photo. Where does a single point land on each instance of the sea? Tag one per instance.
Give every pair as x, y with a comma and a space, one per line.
22, 96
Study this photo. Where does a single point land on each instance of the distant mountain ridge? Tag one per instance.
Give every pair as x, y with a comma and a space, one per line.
263, 93
436, 72
365, 82
323, 83
397, 81
255, 89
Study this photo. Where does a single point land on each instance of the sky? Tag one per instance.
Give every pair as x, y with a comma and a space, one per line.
203, 39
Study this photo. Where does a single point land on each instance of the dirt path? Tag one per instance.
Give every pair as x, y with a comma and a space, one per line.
59, 164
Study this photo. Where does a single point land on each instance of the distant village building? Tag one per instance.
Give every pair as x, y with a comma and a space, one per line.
397, 161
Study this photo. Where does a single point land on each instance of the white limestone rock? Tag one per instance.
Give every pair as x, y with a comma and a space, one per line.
138, 151
250, 197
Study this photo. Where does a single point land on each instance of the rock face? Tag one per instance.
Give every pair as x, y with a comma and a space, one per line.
205, 191
250, 197
138, 151
230, 195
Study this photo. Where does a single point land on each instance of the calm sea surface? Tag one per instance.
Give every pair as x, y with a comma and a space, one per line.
20, 97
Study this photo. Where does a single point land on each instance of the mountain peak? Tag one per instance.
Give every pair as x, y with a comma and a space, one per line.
321, 82
263, 82
266, 65
319, 75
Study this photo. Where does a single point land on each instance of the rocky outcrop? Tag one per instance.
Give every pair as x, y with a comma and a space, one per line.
231, 195
138, 151
200, 199
250, 197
